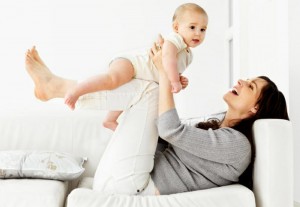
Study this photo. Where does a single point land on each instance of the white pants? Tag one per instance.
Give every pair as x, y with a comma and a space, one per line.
129, 157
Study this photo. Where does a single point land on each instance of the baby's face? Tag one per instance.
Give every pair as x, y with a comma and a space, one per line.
192, 27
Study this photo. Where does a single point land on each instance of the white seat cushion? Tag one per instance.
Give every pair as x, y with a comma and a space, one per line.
32, 193
228, 196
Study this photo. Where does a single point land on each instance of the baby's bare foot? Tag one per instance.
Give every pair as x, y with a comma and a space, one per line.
112, 125
71, 99
41, 76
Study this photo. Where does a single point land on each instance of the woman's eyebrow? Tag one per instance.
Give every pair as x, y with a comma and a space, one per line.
252, 81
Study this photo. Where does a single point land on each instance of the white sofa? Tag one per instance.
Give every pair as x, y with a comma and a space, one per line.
81, 133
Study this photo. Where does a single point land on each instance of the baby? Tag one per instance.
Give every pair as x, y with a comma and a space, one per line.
189, 28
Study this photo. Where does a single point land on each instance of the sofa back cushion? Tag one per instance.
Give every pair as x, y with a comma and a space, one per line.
78, 133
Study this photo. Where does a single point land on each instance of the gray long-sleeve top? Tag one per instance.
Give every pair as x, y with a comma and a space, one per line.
198, 159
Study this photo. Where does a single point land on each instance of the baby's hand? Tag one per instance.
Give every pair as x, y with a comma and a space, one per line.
176, 87
184, 81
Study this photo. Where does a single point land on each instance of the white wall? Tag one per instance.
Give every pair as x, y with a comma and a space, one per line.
264, 41
294, 51
270, 45
77, 38
208, 75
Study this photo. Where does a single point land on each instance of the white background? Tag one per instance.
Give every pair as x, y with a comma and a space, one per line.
77, 38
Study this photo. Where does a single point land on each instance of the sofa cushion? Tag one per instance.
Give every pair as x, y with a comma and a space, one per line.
32, 192
40, 164
227, 196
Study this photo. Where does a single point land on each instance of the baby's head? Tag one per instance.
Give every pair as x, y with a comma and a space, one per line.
190, 21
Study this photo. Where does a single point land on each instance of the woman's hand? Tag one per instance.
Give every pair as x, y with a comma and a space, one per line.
156, 53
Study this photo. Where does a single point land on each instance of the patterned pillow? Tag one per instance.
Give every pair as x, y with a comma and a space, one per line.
40, 164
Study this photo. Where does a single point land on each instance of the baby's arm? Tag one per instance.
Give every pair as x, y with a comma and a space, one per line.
169, 60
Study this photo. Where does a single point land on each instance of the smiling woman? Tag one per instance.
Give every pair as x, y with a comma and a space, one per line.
246, 94
248, 101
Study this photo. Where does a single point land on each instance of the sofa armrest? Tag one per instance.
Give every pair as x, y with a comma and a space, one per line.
273, 166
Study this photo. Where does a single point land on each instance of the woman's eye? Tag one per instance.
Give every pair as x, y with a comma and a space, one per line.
251, 87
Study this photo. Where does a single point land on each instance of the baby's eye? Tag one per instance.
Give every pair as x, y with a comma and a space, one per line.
203, 30
192, 27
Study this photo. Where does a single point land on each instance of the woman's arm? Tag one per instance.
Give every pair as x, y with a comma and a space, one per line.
169, 60
166, 100
223, 145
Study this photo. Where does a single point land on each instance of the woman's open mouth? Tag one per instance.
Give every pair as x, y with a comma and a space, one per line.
234, 91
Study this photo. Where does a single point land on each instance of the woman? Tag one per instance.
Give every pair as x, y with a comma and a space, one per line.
211, 154
249, 100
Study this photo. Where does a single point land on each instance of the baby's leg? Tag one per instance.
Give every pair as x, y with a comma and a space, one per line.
110, 121
120, 72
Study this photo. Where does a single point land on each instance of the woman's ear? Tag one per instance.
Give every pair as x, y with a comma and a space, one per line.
254, 109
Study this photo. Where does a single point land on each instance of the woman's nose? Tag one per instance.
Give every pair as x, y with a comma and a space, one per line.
240, 82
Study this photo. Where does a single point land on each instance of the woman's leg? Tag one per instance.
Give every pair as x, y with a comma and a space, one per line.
49, 86
129, 157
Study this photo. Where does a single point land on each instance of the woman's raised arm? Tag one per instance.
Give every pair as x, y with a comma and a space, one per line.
166, 99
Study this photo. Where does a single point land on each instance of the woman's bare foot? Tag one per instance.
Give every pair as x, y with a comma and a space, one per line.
40, 75
47, 85
112, 125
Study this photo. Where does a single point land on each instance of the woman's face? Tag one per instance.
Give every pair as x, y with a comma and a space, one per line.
242, 98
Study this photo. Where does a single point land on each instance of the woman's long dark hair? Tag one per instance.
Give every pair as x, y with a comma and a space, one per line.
271, 105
